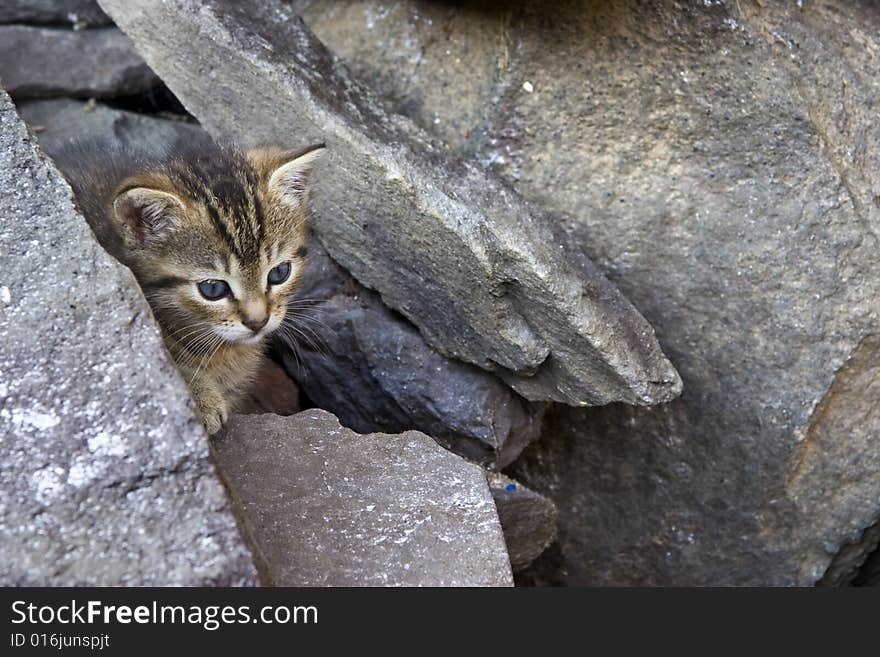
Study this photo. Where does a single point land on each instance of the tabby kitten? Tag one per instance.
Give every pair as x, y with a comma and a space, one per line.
216, 238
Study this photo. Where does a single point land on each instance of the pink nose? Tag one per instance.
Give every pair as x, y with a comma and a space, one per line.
255, 324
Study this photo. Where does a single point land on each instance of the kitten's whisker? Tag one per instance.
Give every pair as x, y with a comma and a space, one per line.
208, 356
194, 344
294, 334
198, 347
314, 343
198, 332
291, 342
302, 315
306, 300
198, 324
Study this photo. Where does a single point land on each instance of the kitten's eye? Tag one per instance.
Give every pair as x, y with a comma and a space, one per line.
213, 290
279, 274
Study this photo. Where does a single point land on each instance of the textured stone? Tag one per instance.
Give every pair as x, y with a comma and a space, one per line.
327, 507
105, 477
869, 574
41, 62
854, 563
481, 273
374, 371
79, 13
528, 519
719, 162
63, 121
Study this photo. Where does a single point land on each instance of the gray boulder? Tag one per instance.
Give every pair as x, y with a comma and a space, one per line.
327, 507
62, 121
723, 174
374, 371
105, 477
42, 62
79, 13
481, 273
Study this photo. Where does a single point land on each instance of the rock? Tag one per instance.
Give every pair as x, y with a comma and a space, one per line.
105, 477
327, 507
718, 161
374, 371
528, 519
273, 392
869, 575
42, 62
852, 565
62, 121
481, 273
79, 13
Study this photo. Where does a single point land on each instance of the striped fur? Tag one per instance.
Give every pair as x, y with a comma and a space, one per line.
207, 213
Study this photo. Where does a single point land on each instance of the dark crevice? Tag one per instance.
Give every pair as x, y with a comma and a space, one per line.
156, 101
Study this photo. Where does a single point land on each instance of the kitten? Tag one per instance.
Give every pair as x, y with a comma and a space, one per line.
216, 238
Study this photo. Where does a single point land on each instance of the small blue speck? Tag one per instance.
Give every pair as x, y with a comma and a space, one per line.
510, 487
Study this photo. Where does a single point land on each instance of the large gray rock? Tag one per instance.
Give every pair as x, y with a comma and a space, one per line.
327, 507
42, 62
374, 371
61, 122
718, 160
79, 13
480, 272
105, 477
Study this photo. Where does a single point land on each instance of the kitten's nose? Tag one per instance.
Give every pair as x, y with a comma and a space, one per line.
255, 323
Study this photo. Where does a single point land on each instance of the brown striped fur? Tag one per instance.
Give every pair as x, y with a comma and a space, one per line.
208, 213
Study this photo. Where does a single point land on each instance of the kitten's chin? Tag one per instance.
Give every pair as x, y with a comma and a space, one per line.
251, 339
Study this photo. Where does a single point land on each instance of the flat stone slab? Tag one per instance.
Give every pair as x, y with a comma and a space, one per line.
43, 62
325, 506
60, 122
79, 13
105, 478
478, 270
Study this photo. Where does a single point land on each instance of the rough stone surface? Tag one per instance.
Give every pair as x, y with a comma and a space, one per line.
60, 122
42, 62
105, 477
852, 565
527, 518
324, 506
79, 13
869, 575
481, 273
719, 162
374, 371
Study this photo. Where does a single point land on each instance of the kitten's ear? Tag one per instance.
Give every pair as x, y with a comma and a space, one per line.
147, 215
289, 173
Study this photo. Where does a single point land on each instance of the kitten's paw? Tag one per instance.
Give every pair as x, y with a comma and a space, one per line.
213, 421
214, 417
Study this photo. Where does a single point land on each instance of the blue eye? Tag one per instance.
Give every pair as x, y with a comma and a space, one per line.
213, 290
279, 274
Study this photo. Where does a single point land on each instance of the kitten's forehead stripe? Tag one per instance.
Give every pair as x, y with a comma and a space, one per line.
223, 230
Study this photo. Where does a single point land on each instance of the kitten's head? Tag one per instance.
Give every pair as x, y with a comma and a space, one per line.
217, 239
